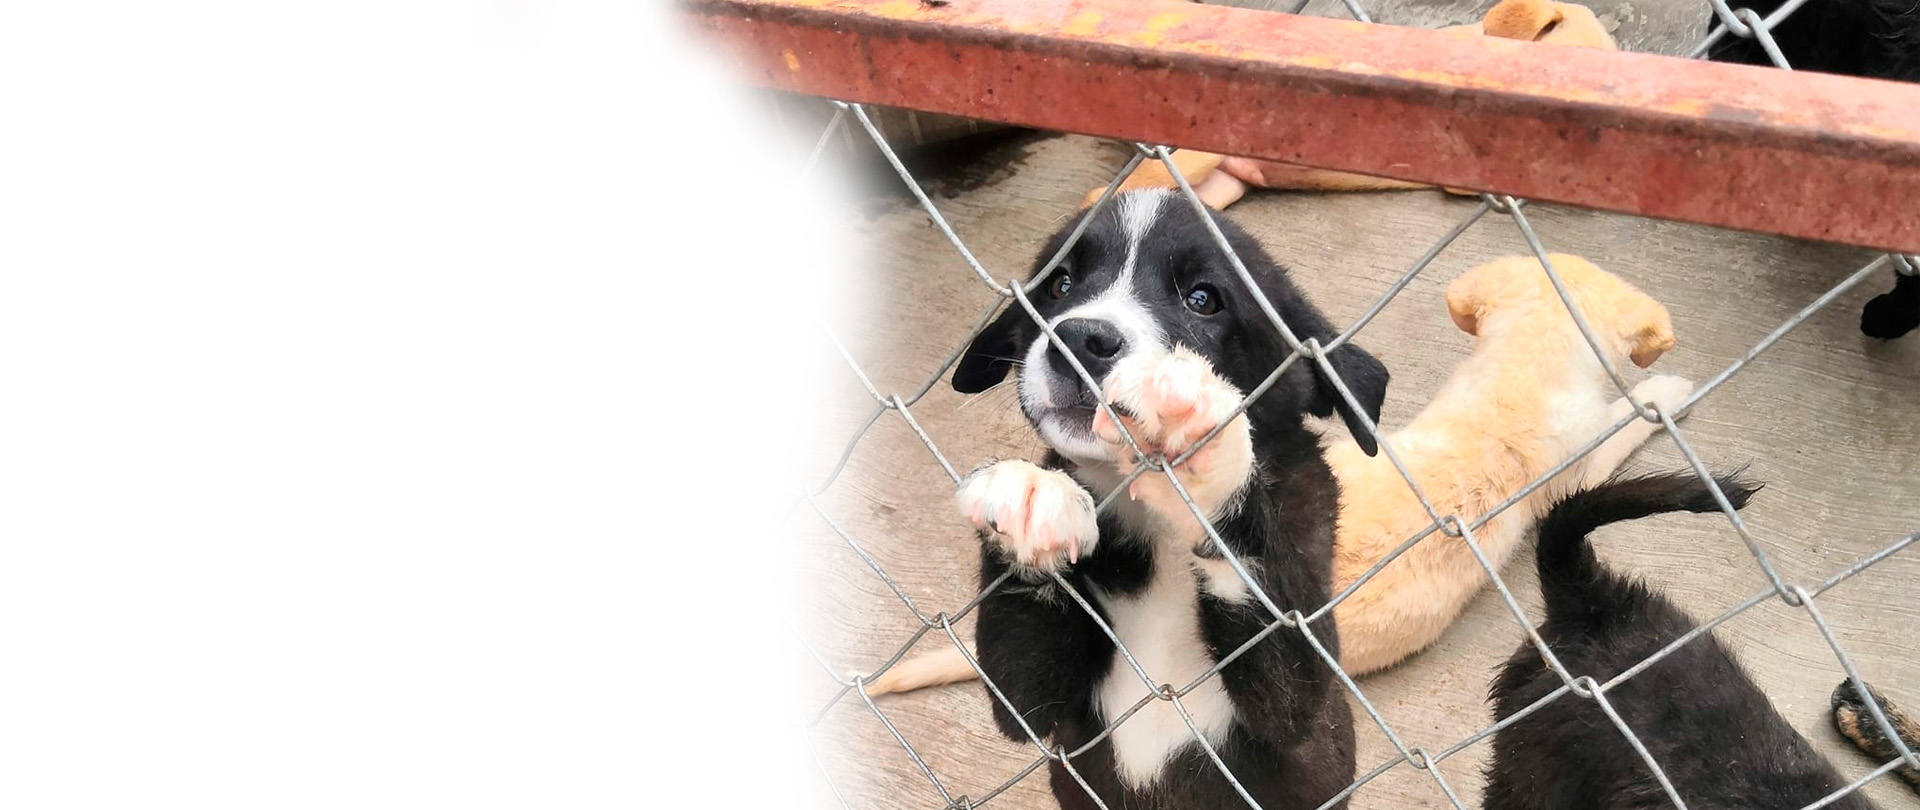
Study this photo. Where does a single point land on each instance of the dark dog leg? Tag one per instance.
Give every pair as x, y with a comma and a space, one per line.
1280, 708
1039, 647
1282, 688
1894, 313
1851, 718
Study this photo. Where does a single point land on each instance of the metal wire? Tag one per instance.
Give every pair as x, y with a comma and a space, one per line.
1739, 22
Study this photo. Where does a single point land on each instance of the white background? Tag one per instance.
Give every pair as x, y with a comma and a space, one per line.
392, 398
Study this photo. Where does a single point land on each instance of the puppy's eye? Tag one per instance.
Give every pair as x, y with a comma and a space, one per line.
1203, 299
1060, 286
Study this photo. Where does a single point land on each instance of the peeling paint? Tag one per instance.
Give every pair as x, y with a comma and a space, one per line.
1083, 24
1792, 153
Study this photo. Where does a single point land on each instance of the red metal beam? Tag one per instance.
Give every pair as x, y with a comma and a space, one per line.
1819, 157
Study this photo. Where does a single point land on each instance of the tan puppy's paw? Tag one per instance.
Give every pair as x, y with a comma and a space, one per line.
1664, 391
1043, 519
1196, 167
1167, 403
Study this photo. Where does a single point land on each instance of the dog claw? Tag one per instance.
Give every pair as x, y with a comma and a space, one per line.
1106, 429
1039, 518
1103, 427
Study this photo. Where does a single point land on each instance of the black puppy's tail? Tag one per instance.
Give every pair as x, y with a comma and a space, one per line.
1571, 578
1852, 719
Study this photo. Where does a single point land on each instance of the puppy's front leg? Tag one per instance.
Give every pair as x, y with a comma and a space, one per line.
1042, 519
1167, 403
1281, 684
1665, 391
1037, 645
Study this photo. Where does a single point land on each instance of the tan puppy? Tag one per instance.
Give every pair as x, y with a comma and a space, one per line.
1220, 180
1531, 393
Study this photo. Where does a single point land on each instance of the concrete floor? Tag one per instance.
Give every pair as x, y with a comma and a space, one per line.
1824, 418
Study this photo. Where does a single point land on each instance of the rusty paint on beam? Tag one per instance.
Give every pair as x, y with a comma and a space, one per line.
1818, 157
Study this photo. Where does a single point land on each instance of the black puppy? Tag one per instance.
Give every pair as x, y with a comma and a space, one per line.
1697, 712
1152, 310
1875, 39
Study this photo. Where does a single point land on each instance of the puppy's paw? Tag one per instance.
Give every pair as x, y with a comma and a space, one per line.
1043, 519
1664, 391
1893, 313
1167, 403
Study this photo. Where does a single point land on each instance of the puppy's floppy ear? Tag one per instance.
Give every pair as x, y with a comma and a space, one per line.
1366, 378
991, 354
1643, 321
1465, 303
1653, 338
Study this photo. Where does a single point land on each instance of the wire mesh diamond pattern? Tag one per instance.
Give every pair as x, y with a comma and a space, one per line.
939, 627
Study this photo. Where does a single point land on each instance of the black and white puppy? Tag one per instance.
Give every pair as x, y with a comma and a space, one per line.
1150, 307
1701, 717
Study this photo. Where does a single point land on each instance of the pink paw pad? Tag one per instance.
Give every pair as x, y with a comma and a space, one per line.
1167, 403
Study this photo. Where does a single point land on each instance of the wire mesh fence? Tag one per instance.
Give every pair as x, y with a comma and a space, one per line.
939, 626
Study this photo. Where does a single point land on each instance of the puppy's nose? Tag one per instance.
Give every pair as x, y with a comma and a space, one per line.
1096, 344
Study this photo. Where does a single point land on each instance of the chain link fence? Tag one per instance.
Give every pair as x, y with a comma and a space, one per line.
939, 627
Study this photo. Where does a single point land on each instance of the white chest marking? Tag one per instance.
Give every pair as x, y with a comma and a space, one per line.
1161, 627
